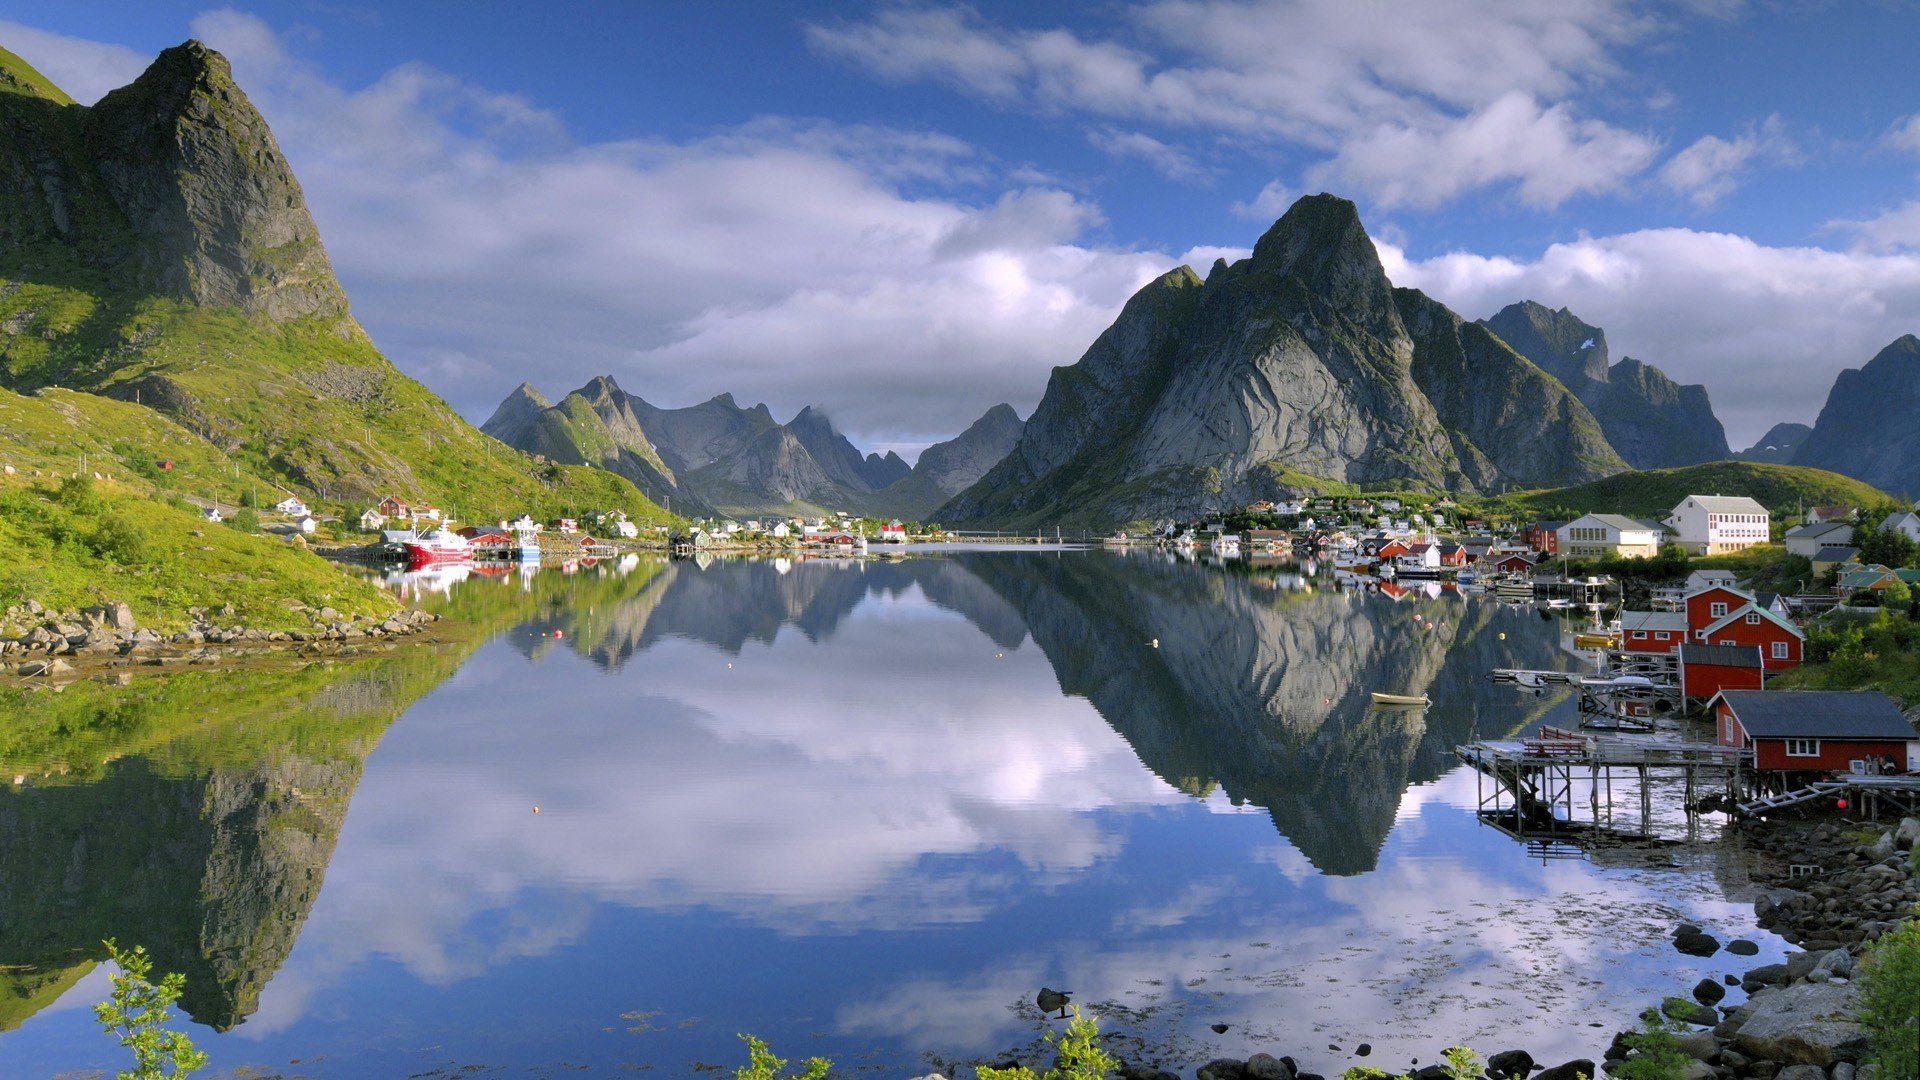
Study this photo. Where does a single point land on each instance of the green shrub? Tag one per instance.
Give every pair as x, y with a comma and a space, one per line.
1890, 1001
762, 1065
136, 1014
1655, 1048
246, 519
1080, 1056
120, 541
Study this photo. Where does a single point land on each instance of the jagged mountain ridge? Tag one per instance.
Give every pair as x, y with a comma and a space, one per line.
1296, 361
719, 458
1778, 445
1867, 428
1650, 420
156, 248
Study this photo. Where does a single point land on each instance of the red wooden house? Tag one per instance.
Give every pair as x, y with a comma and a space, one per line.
1391, 548
1817, 731
1652, 631
1542, 536
1705, 670
1783, 644
1707, 606
1515, 562
1453, 555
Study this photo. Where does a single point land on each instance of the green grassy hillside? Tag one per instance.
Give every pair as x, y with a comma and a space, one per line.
73, 543
1786, 490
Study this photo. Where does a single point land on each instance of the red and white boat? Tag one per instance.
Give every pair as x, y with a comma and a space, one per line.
439, 547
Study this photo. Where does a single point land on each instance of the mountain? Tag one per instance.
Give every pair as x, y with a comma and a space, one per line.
1778, 445
959, 463
718, 458
156, 248
1294, 366
1867, 429
1652, 421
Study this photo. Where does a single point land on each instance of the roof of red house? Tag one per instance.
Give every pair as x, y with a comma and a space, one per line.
1768, 614
1721, 655
1817, 714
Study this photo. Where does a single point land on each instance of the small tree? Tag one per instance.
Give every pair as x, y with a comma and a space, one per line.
762, 1065
1890, 1002
137, 1015
1080, 1056
246, 519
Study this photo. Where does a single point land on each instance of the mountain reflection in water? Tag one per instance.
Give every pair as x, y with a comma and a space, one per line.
896, 778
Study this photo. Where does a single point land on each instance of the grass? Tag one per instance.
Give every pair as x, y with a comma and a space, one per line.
1786, 490
79, 543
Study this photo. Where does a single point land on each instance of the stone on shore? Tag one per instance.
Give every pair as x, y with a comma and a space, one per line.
1804, 1024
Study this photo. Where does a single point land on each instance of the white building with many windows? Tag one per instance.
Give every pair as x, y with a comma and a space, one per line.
1595, 535
1715, 524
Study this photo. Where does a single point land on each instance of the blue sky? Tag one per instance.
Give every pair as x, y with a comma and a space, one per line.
908, 212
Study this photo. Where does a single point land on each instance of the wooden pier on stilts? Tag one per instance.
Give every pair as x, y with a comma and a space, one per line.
1868, 796
1535, 781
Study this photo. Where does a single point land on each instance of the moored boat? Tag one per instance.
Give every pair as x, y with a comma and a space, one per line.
1400, 699
440, 546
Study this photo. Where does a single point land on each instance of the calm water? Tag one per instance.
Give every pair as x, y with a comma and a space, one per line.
862, 810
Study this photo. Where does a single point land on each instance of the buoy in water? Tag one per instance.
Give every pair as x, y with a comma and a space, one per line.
536, 809
1841, 803
1503, 635
1156, 643
729, 665
559, 634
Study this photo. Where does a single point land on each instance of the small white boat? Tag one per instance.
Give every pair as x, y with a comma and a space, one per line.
1400, 699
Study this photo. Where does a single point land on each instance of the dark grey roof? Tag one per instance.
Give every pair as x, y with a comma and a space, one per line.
1836, 554
1720, 655
1818, 714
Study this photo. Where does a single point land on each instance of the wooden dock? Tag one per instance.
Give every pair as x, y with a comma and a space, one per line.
1872, 795
1535, 780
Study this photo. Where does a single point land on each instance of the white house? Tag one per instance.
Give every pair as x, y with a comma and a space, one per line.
624, 529
212, 514
1807, 539
1595, 535
292, 506
306, 525
1906, 524
373, 520
1708, 579
1715, 524
780, 531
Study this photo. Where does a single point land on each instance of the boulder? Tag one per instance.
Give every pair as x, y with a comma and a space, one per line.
1510, 1065
1268, 1067
1907, 834
1688, 1012
1803, 1072
1222, 1069
1699, 1045
1743, 947
1708, 992
1695, 942
1570, 1070
1802, 1024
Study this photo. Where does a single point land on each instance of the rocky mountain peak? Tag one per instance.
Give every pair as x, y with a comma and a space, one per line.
1560, 342
1866, 428
218, 217
1321, 243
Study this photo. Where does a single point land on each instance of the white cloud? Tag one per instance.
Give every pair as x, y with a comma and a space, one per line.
1271, 202
1484, 86
1904, 134
86, 70
1545, 152
482, 245
1707, 170
1765, 328
1171, 161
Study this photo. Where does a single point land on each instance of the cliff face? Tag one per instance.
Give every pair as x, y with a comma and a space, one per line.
1297, 360
1652, 421
957, 464
176, 181
1868, 428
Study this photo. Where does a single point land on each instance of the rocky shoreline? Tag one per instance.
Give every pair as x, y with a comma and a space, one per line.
1834, 897
37, 643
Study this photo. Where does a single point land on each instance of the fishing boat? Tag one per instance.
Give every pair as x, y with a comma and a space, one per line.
1400, 699
1594, 639
441, 546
